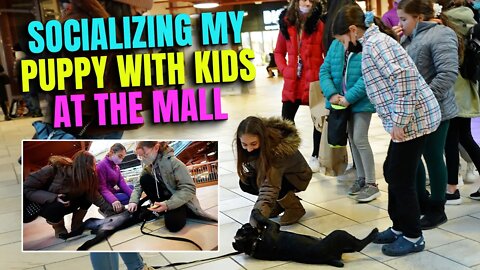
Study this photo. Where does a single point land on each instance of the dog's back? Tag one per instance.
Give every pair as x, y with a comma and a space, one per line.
270, 243
103, 228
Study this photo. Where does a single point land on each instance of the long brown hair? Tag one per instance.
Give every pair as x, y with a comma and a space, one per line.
352, 14
293, 15
83, 170
151, 144
254, 126
425, 8
333, 6
117, 147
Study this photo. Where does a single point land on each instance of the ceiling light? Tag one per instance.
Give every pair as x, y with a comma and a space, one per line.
206, 5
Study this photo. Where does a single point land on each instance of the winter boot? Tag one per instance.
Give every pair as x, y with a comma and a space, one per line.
77, 219
59, 228
435, 216
293, 209
276, 210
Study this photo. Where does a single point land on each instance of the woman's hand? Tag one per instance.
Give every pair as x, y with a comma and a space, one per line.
398, 30
158, 207
397, 133
335, 99
343, 101
60, 199
132, 207
117, 206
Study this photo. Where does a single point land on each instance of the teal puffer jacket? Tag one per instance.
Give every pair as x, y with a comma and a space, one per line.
331, 75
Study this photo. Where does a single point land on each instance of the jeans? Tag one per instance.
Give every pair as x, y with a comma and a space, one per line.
109, 260
123, 198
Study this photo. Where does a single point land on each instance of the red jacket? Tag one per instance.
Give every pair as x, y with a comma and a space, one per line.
311, 53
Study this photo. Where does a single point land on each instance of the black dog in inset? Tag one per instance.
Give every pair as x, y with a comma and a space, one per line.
270, 243
103, 228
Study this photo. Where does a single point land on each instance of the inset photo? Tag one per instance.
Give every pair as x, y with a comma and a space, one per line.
121, 195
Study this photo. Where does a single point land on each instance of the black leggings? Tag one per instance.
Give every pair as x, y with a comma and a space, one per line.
175, 219
459, 131
289, 110
54, 212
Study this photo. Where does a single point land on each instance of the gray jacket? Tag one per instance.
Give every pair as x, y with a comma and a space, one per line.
434, 49
177, 179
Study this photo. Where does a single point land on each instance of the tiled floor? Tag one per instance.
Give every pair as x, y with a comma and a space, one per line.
455, 245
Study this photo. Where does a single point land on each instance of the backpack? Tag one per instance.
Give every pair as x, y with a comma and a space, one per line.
470, 68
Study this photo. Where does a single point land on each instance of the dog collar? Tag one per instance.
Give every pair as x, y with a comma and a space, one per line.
254, 245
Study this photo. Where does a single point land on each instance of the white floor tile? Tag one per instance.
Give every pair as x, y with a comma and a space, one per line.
424, 260
464, 252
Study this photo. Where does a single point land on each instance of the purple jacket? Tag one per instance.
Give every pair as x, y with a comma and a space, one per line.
109, 176
390, 18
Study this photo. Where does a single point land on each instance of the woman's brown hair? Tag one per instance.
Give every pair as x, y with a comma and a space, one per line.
425, 8
254, 126
83, 170
293, 14
352, 14
151, 144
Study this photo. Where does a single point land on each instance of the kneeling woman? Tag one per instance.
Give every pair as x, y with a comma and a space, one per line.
270, 166
167, 184
66, 186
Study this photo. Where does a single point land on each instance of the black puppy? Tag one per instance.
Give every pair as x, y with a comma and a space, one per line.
269, 243
103, 228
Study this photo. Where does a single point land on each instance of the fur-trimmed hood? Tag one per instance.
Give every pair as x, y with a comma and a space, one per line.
290, 141
310, 25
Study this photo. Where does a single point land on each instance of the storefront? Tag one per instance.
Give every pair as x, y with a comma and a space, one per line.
260, 28
14, 18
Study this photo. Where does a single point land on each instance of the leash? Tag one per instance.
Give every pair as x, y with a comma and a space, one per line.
169, 237
183, 240
202, 260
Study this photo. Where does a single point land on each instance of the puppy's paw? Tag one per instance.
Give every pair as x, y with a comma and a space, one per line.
336, 263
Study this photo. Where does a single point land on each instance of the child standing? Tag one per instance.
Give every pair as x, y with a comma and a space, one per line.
342, 84
409, 111
434, 49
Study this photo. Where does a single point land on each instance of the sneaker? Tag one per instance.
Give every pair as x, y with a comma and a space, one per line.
475, 195
314, 164
403, 246
349, 175
368, 193
471, 173
454, 198
357, 186
386, 237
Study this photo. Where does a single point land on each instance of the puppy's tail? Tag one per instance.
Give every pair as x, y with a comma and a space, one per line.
367, 240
